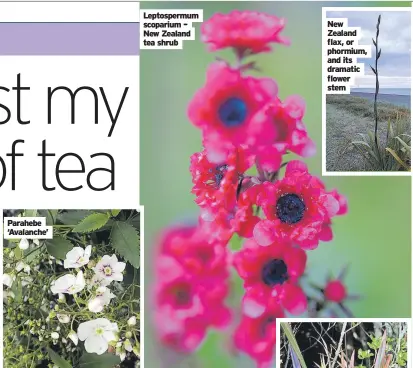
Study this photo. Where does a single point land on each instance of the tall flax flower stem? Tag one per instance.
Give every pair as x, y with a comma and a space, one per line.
340, 342
376, 72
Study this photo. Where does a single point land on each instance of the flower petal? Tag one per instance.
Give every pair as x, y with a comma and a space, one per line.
96, 344
85, 329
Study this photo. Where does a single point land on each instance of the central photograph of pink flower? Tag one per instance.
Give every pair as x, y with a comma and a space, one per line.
247, 187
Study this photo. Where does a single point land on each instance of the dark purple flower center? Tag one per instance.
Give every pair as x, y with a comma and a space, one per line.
218, 175
274, 272
290, 208
267, 322
181, 294
233, 112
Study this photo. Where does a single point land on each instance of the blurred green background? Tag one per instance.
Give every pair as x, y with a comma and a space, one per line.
375, 237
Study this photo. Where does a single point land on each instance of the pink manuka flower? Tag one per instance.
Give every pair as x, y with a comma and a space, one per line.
297, 208
335, 291
271, 273
215, 185
256, 336
282, 130
191, 287
224, 109
243, 30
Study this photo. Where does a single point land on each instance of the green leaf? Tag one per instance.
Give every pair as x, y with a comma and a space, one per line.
58, 247
73, 217
30, 213
293, 342
98, 361
17, 289
51, 216
91, 223
59, 361
125, 240
114, 213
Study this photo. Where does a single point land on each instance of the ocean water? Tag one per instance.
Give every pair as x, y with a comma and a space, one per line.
395, 96
385, 91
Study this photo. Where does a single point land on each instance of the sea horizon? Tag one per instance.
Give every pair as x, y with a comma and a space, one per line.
395, 96
384, 91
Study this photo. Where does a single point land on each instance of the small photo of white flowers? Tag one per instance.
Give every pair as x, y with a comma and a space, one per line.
73, 300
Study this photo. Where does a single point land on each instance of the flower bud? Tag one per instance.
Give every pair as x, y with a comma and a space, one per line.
73, 336
24, 244
132, 321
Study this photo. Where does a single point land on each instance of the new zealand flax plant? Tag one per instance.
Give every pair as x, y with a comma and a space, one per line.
395, 155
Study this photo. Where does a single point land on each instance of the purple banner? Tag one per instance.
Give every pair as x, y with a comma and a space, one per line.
69, 38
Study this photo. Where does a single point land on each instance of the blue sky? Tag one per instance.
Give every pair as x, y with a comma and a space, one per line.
394, 40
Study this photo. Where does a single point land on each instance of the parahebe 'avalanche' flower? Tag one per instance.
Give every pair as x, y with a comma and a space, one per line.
256, 336
25, 243
8, 279
102, 298
97, 334
132, 321
22, 266
63, 318
225, 107
109, 269
271, 273
73, 336
297, 208
68, 284
243, 30
77, 257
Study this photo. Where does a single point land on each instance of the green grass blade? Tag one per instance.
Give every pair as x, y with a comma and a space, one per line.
293, 342
397, 158
403, 143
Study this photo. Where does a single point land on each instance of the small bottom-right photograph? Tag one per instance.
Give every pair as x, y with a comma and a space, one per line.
348, 343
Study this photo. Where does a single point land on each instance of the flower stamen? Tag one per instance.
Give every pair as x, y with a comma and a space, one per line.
274, 272
290, 208
233, 112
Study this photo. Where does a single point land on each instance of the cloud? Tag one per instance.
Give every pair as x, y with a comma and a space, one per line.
394, 40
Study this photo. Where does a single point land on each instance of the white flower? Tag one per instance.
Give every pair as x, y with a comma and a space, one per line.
63, 318
68, 284
24, 244
98, 282
127, 345
97, 334
77, 257
110, 269
7, 294
54, 335
132, 321
73, 336
102, 298
27, 280
62, 298
121, 353
22, 266
8, 279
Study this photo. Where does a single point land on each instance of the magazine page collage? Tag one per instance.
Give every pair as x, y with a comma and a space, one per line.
206, 184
